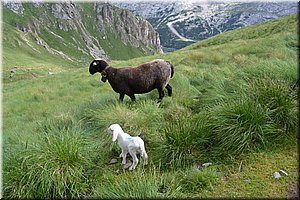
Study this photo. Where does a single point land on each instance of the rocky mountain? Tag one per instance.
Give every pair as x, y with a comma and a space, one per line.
180, 23
79, 31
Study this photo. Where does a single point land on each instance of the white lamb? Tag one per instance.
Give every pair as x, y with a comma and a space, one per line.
128, 144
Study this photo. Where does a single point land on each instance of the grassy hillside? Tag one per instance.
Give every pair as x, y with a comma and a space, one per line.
229, 107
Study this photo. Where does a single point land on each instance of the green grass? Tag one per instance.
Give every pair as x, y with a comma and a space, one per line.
242, 125
139, 184
272, 94
53, 166
196, 181
230, 106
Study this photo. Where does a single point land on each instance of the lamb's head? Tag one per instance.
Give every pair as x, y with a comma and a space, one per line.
114, 130
98, 65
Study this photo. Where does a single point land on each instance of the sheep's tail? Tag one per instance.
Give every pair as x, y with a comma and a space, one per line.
144, 154
145, 157
172, 68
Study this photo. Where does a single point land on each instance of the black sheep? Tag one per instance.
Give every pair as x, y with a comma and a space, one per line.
136, 80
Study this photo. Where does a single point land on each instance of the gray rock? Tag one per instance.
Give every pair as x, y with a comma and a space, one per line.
163, 189
206, 164
15, 6
276, 175
283, 172
198, 165
113, 161
65, 11
248, 181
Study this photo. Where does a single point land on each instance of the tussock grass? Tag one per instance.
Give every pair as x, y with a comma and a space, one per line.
241, 126
52, 167
130, 116
137, 184
273, 94
195, 181
185, 137
183, 91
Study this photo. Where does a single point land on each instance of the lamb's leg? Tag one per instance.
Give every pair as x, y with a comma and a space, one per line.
169, 88
161, 94
123, 155
145, 156
135, 160
121, 97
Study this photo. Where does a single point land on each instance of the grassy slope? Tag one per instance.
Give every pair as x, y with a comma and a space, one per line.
45, 115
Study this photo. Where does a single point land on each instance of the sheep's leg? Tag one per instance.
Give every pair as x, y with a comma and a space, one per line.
123, 155
121, 97
145, 157
161, 94
169, 88
132, 97
124, 159
134, 159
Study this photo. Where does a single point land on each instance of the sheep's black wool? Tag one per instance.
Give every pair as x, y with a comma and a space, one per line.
136, 80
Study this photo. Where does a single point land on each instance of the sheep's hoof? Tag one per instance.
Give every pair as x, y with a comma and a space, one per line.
132, 167
158, 104
127, 165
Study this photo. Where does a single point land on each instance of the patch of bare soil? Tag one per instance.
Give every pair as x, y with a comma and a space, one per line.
293, 192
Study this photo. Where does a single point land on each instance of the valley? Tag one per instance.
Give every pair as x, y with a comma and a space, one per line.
181, 23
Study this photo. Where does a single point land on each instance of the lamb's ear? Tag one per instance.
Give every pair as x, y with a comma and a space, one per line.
115, 135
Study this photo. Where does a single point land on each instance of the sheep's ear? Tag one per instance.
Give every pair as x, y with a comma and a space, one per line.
115, 135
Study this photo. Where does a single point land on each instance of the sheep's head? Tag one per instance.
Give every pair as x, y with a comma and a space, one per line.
98, 65
114, 130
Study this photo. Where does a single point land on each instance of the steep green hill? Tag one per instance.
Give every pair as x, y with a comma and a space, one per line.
230, 106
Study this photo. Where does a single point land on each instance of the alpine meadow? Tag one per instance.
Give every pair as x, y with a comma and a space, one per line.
232, 106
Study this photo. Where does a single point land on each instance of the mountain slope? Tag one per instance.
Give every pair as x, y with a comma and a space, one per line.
286, 24
230, 107
76, 32
181, 23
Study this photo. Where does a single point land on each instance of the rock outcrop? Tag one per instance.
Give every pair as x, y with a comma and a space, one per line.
132, 29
